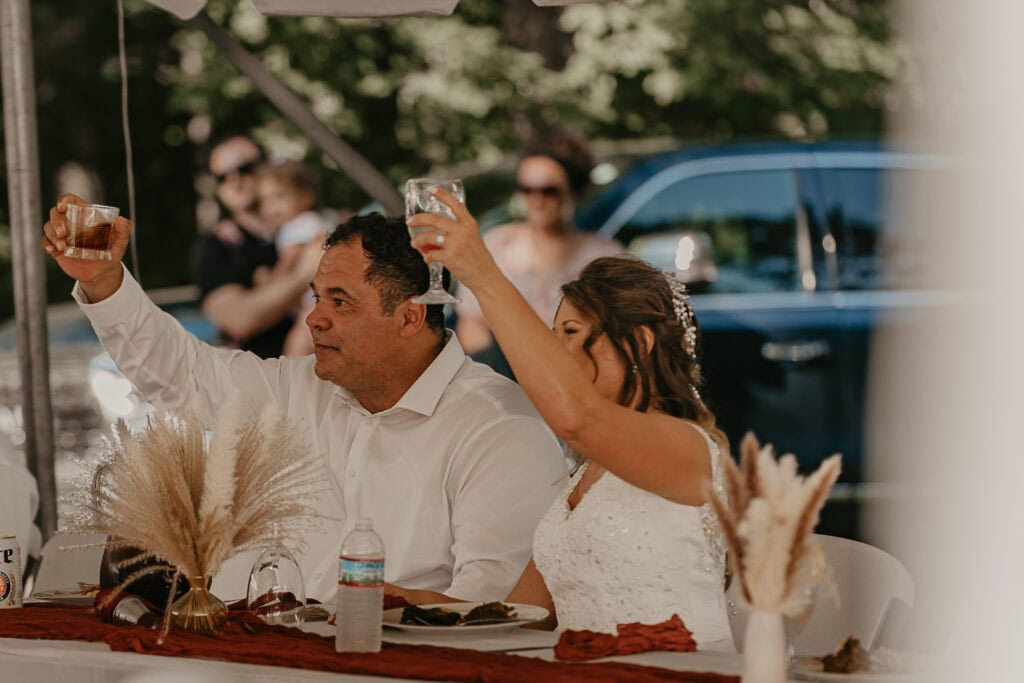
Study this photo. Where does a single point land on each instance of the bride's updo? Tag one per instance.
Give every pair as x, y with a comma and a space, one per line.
620, 294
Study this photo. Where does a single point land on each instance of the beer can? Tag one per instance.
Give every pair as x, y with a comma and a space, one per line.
10, 572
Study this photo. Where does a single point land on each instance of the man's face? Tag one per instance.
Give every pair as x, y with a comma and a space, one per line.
353, 339
233, 162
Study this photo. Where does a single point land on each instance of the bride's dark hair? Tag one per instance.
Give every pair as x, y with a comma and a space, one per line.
620, 294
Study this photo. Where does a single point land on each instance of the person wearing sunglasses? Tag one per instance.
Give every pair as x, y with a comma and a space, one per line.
544, 250
252, 313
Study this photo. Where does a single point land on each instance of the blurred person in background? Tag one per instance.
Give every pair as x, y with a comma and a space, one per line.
250, 316
19, 501
286, 191
544, 251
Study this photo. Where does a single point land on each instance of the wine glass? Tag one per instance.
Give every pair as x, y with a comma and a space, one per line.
795, 624
276, 591
419, 198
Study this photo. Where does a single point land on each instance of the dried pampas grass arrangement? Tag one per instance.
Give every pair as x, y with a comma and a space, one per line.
767, 516
191, 503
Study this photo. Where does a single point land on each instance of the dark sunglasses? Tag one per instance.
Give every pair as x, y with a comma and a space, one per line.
242, 169
549, 191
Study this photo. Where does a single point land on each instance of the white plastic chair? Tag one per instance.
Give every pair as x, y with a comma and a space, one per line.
872, 586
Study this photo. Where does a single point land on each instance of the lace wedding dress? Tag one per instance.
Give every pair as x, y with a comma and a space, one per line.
626, 555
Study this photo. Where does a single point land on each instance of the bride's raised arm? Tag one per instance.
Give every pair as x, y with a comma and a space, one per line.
615, 396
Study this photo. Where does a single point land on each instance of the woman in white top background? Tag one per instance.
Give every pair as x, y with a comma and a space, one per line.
544, 250
631, 538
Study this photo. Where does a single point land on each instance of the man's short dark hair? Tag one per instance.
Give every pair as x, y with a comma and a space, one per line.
396, 269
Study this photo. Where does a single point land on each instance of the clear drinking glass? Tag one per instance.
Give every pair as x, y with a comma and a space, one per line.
795, 625
89, 230
276, 593
419, 198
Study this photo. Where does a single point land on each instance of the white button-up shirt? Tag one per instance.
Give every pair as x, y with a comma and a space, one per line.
455, 476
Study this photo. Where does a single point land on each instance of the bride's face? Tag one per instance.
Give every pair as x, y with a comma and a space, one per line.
603, 365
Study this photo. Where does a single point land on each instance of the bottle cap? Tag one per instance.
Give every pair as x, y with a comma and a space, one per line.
364, 524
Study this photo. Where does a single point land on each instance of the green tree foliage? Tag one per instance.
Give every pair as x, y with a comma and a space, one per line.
80, 140
418, 91
415, 92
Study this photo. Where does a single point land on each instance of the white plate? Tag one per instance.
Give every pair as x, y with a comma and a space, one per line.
70, 596
524, 614
804, 672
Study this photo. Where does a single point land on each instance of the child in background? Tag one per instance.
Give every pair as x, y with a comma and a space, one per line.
287, 196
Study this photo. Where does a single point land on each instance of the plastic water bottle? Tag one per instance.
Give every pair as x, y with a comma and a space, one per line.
360, 600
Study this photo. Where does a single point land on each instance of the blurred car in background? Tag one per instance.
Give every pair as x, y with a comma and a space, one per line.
792, 258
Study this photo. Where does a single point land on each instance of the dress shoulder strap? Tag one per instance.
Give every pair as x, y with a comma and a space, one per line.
713, 450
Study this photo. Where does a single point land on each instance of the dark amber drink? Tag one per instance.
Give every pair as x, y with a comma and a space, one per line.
95, 237
89, 230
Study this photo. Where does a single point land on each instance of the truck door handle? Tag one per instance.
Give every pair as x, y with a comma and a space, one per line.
796, 352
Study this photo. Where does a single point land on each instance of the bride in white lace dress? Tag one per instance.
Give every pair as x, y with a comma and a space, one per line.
631, 538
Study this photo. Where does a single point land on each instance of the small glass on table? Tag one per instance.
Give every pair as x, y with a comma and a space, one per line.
89, 230
277, 594
419, 198
795, 624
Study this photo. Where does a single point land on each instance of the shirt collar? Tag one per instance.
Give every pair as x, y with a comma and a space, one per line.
425, 393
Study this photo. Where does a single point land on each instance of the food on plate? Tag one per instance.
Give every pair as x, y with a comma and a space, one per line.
432, 616
851, 658
848, 659
490, 611
487, 612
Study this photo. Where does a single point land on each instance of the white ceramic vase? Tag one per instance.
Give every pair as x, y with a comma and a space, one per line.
764, 649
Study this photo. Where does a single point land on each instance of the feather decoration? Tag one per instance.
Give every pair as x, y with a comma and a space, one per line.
189, 502
749, 449
767, 521
215, 505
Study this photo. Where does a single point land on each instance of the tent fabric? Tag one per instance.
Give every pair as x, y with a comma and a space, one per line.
186, 9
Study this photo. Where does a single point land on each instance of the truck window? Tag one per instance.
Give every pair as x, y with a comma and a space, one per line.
743, 221
872, 251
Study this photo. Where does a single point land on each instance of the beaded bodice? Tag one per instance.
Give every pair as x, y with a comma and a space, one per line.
626, 555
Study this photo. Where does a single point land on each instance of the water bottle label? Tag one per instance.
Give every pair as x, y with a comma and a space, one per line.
361, 572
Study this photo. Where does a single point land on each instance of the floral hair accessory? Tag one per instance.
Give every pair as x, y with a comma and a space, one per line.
684, 313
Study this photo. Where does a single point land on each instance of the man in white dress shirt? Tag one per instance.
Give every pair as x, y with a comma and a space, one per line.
449, 459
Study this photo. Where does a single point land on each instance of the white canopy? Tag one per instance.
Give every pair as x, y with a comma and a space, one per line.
186, 9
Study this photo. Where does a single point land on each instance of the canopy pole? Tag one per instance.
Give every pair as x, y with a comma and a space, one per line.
22, 151
351, 162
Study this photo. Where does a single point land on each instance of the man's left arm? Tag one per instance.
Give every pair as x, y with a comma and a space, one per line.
503, 482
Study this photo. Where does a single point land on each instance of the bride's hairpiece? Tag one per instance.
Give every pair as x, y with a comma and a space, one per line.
684, 313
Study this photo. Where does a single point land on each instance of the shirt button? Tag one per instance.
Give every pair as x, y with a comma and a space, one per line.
351, 475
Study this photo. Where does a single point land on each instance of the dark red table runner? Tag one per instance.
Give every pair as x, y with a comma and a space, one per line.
280, 646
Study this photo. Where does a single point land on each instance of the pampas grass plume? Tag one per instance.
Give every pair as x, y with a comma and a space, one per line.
190, 506
767, 515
